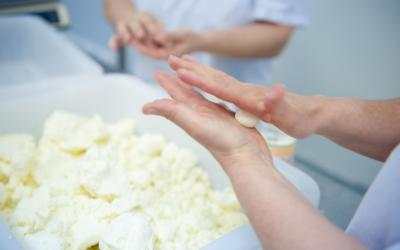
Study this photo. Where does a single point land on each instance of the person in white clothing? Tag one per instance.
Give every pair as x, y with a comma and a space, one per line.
239, 37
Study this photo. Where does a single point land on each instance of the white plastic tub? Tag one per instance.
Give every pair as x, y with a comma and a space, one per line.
118, 96
31, 51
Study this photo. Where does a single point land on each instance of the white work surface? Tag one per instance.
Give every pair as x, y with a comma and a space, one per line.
116, 96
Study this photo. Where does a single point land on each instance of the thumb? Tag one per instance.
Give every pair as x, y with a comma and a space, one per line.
164, 107
177, 113
169, 38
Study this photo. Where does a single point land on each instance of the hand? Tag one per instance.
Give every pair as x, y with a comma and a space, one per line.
181, 42
209, 123
139, 29
296, 115
177, 43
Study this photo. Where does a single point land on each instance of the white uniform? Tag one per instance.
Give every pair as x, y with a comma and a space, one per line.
203, 15
377, 221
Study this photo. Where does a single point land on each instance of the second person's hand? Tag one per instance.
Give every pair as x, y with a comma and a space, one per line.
178, 42
137, 30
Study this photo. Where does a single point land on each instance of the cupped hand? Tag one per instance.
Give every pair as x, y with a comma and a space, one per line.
176, 43
292, 113
181, 42
138, 30
211, 124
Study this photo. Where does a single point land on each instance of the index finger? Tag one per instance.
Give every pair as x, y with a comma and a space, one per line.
225, 87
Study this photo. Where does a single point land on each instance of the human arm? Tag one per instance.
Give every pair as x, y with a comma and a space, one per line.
118, 10
255, 40
371, 128
281, 216
262, 39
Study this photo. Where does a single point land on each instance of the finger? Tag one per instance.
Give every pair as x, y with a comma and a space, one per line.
228, 90
161, 38
151, 24
114, 43
177, 63
174, 36
246, 96
123, 33
161, 54
153, 52
179, 50
164, 107
188, 58
154, 27
137, 30
272, 100
176, 89
177, 113
184, 93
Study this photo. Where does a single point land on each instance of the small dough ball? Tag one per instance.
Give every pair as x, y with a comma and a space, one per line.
246, 119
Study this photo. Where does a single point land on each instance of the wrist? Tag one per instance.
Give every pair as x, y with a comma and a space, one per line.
124, 17
241, 168
300, 116
323, 112
252, 160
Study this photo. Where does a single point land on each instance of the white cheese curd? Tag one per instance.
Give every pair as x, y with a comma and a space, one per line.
44, 241
86, 232
92, 185
128, 231
73, 133
16, 156
51, 155
33, 212
122, 129
101, 174
246, 119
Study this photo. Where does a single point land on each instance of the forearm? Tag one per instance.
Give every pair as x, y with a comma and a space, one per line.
281, 216
118, 10
255, 40
371, 128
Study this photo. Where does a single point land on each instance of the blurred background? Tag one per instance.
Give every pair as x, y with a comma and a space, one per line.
351, 48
